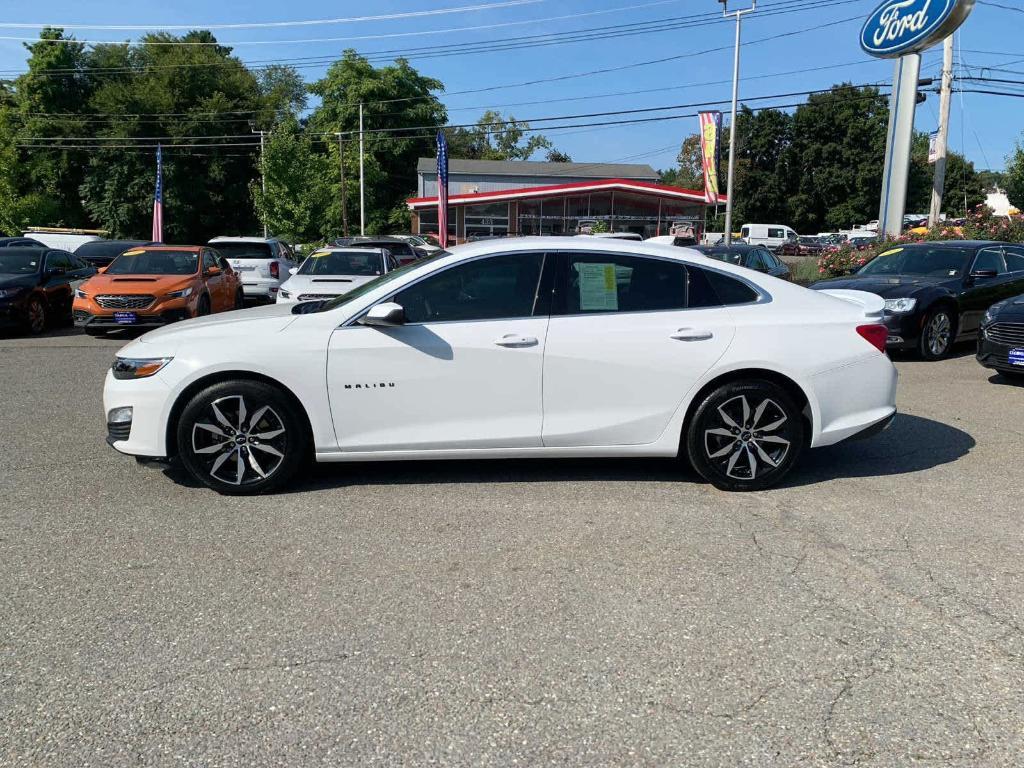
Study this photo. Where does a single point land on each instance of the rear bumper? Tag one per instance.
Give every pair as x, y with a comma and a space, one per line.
262, 288
855, 399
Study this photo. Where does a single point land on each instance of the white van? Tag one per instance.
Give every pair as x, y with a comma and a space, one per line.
64, 239
772, 236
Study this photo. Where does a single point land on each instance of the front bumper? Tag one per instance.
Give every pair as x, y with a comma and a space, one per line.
904, 330
12, 313
996, 356
106, 322
150, 400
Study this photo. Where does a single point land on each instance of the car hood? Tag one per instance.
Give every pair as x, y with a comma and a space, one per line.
1011, 310
335, 284
241, 323
886, 286
19, 281
122, 284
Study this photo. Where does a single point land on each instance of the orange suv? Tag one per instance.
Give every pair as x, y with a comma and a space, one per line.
154, 285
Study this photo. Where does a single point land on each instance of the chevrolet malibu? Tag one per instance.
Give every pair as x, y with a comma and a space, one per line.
514, 348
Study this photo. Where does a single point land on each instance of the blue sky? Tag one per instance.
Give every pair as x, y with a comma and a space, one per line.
984, 127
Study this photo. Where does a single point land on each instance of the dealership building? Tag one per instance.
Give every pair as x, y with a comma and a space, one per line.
496, 198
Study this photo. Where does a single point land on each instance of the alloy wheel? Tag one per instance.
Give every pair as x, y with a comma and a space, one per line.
747, 442
239, 445
939, 333
36, 316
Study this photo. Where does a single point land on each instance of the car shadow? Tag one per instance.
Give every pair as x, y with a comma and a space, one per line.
1007, 380
911, 444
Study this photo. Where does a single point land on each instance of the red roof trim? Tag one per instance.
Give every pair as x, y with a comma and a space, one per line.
511, 194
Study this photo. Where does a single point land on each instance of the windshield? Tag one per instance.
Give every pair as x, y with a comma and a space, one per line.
244, 250
926, 261
14, 262
140, 262
365, 288
366, 264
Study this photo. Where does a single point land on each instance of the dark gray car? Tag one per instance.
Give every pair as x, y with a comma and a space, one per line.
755, 257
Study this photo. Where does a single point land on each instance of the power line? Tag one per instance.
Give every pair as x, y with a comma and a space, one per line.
275, 24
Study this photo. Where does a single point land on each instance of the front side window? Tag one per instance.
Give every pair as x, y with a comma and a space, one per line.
58, 260
491, 288
990, 259
209, 261
598, 282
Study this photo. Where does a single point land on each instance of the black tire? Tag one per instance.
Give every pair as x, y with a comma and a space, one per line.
35, 315
240, 299
242, 461
937, 334
203, 307
725, 448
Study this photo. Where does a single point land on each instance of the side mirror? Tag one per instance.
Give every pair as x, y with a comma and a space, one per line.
293, 271
100, 270
213, 271
386, 315
983, 273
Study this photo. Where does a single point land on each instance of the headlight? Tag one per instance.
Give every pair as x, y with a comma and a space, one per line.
138, 368
900, 305
80, 294
184, 293
990, 316
9, 293
285, 294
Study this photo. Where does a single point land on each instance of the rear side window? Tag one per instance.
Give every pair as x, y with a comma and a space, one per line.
600, 282
1014, 259
776, 233
709, 288
239, 250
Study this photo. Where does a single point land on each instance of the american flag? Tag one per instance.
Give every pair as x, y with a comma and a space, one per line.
158, 199
442, 189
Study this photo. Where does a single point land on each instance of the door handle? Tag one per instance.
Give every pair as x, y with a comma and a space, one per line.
515, 340
692, 334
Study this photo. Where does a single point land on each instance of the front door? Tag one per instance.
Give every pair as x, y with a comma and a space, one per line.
463, 372
982, 292
217, 283
629, 336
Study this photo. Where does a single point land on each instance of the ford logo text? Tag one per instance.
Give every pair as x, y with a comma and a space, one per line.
899, 27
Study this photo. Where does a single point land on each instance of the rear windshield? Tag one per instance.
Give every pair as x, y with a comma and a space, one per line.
244, 250
397, 249
19, 262
140, 262
366, 264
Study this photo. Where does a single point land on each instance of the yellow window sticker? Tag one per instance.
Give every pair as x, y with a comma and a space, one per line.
890, 252
134, 252
598, 288
318, 254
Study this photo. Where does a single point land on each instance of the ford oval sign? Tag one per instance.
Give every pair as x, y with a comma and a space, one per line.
899, 27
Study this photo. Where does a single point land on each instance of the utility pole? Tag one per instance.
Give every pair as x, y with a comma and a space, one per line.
362, 178
263, 179
344, 200
735, 99
941, 142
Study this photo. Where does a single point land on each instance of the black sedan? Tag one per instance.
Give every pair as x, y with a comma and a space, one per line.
19, 242
1001, 340
936, 293
755, 257
37, 286
100, 253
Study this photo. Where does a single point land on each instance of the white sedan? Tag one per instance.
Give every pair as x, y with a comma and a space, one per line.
530, 347
330, 272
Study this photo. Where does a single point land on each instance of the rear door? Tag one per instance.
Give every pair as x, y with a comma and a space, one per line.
628, 337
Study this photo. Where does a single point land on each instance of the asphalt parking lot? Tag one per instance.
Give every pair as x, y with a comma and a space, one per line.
871, 612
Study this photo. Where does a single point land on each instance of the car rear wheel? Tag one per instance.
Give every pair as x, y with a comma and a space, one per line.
35, 315
937, 334
745, 435
242, 437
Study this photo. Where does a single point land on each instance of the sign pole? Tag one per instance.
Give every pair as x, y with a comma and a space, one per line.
902, 105
941, 143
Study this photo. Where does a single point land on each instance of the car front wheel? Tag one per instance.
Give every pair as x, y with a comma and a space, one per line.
242, 437
745, 435
937, 334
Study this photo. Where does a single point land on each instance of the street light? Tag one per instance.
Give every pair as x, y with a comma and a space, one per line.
732, 127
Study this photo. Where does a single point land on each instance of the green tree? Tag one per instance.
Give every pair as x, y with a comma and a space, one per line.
401, 115
495, 137
283, 90
835, 162
689, 170
298, 190
962, 182
1014, 178
557, 156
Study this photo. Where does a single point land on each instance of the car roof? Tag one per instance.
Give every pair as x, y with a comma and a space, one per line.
30, 249
372, 239
954, 244
193, 248
348, 249
241, 239
735, 247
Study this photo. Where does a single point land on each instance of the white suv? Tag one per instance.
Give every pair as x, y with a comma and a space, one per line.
262, 264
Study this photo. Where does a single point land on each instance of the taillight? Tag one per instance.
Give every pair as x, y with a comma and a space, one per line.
875, 335
275, 270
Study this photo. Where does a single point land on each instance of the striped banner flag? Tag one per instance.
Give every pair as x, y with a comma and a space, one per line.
158, 198
442, 190
711, 152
